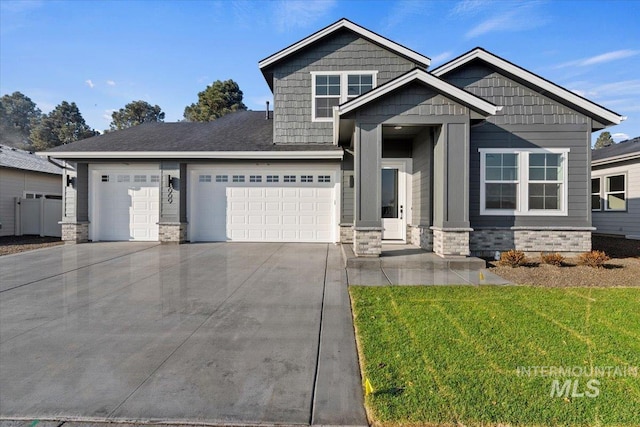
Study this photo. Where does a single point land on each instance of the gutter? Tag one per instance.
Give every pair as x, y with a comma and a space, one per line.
50, 160
621, 158
237, 155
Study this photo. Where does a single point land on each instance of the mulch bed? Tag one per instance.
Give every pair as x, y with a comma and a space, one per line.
622, 270
15, 244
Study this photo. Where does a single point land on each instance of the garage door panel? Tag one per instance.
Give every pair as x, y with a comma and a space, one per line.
126, 206
267, 206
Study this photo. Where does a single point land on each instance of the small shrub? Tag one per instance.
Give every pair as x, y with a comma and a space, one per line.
512, 258
595, 259
552, 259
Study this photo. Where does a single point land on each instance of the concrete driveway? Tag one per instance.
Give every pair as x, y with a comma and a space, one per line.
217, 333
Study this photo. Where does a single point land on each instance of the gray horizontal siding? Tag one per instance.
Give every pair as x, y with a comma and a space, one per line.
342, 51
621, 223
528, 119
348, 193
491, 136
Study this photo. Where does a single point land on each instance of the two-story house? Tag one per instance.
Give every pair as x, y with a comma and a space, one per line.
365, 144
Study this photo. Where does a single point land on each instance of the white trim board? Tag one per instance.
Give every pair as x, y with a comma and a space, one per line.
345, 23
543, 84
240, 155
419, 75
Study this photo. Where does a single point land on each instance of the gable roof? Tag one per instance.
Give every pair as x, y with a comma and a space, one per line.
15, 158
596, 111
467, 98
625, 150
361, 31
233, 135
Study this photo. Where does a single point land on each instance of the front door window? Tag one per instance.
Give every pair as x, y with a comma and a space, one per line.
389, 193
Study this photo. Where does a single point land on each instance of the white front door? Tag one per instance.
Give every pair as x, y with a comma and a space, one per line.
393, 198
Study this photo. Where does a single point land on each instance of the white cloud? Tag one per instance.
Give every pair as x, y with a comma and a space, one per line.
111, 83
402, 10
511, 17
107, 115
441, 57
89, 83
300, 13
622, 88
469, 7
600, 59
620, 136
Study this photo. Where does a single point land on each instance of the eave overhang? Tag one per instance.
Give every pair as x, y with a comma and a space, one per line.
237, 155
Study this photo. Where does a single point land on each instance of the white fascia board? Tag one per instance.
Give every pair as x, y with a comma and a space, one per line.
344, 23
615, 159
240, 155
538, 81
432, 81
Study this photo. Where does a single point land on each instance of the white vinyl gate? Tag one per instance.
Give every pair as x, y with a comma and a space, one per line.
39, 217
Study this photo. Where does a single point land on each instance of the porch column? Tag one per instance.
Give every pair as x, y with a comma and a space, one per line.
173, 202
75, 202
367, 233
451, 190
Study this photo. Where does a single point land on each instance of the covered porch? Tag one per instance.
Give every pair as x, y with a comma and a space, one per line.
406, 171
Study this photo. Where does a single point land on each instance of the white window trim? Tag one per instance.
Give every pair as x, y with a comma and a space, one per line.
522, 198
343, 88
605, 193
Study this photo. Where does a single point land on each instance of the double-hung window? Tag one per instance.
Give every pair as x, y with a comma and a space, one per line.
614, 193
331, 89
523, 182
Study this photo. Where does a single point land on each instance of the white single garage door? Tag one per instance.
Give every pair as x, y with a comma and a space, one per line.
126, 205
262, 205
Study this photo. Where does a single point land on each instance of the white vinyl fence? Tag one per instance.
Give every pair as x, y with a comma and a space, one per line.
38, 216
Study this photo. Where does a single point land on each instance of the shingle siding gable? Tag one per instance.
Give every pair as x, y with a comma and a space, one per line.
343, 51
521, 105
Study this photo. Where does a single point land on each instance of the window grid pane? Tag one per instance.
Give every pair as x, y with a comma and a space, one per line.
238, 178
289, 178
255, 178
615, 194
544, 196
357, 84
596, 203
324, 178
222, 178
204, 178
306, 178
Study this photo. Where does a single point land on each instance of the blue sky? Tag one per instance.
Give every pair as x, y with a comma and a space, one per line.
104, 54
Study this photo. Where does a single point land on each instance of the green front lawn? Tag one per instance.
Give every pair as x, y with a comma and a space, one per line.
455, 355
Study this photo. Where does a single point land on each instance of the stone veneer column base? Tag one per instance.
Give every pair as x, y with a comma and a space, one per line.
75, 232
172, 232
451, 241
346, 233
421, 236
486, 241
367, 241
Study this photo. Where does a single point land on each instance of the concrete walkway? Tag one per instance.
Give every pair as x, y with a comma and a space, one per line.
202, 333
410, 265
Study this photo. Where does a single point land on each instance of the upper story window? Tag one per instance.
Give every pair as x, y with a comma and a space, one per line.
333, 88
523, 182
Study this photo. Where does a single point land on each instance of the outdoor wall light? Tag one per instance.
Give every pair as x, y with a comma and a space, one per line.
71, 181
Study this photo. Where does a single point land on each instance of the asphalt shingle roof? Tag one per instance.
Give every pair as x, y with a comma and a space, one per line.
615, 150
19, 159
240, 131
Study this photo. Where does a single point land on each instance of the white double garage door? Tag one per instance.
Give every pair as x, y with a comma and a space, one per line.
251, 204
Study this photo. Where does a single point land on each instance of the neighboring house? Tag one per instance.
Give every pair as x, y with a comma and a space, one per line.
26, 176
615, 189
364, 146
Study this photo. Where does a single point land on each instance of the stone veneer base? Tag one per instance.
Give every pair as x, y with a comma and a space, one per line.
367, 242
451, 241
421, 236
75, 232
346, 233
485, 242
172, 232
